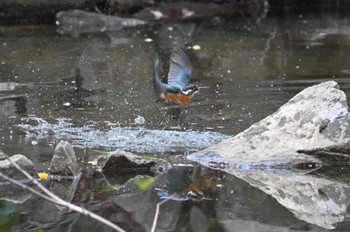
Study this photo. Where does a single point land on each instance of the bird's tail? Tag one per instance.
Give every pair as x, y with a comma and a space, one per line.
157, 83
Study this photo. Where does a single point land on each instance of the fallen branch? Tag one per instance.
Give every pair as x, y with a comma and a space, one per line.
155, 220
55, 199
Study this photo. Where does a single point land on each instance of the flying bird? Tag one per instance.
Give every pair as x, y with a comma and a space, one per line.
178, 89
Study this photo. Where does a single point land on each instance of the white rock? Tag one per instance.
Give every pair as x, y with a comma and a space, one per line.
315, 118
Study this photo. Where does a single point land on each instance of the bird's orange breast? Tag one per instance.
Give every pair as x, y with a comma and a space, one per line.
179, 98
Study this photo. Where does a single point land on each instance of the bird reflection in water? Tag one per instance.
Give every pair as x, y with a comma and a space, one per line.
180, 185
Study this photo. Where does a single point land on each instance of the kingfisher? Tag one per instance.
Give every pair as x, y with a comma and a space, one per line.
178, 89
180, 187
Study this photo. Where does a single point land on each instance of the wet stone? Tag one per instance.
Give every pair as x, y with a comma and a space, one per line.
78, 21
9, 191
122, 162
8, 169
64, 161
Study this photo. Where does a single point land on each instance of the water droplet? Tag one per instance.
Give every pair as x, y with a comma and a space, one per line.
139, 120
196, 47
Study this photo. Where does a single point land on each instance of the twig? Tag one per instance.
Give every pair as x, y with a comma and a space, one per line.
26, 187
55, 199
155, 220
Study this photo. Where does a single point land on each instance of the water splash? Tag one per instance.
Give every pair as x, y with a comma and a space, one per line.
135, 139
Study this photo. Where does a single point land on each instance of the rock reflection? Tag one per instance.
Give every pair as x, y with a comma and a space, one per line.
64, 188
316, 200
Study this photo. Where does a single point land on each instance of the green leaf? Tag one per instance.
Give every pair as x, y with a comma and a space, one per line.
147, 156
106, 189
101, 152
143, 183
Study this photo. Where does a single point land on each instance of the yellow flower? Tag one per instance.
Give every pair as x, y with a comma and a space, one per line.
43, 175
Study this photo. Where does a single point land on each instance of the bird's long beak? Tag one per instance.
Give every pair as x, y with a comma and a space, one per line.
207, 198
200, 88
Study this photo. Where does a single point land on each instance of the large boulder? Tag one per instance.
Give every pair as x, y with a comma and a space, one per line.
316, 118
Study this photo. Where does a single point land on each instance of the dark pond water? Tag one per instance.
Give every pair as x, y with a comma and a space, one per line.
96, 92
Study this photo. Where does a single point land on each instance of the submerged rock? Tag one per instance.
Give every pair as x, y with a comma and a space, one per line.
64, 161
316, 118
121, 162
78, 21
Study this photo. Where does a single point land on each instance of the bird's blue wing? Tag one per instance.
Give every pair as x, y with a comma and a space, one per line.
180, 68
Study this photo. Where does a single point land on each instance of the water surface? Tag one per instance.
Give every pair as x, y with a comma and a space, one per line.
96, 92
